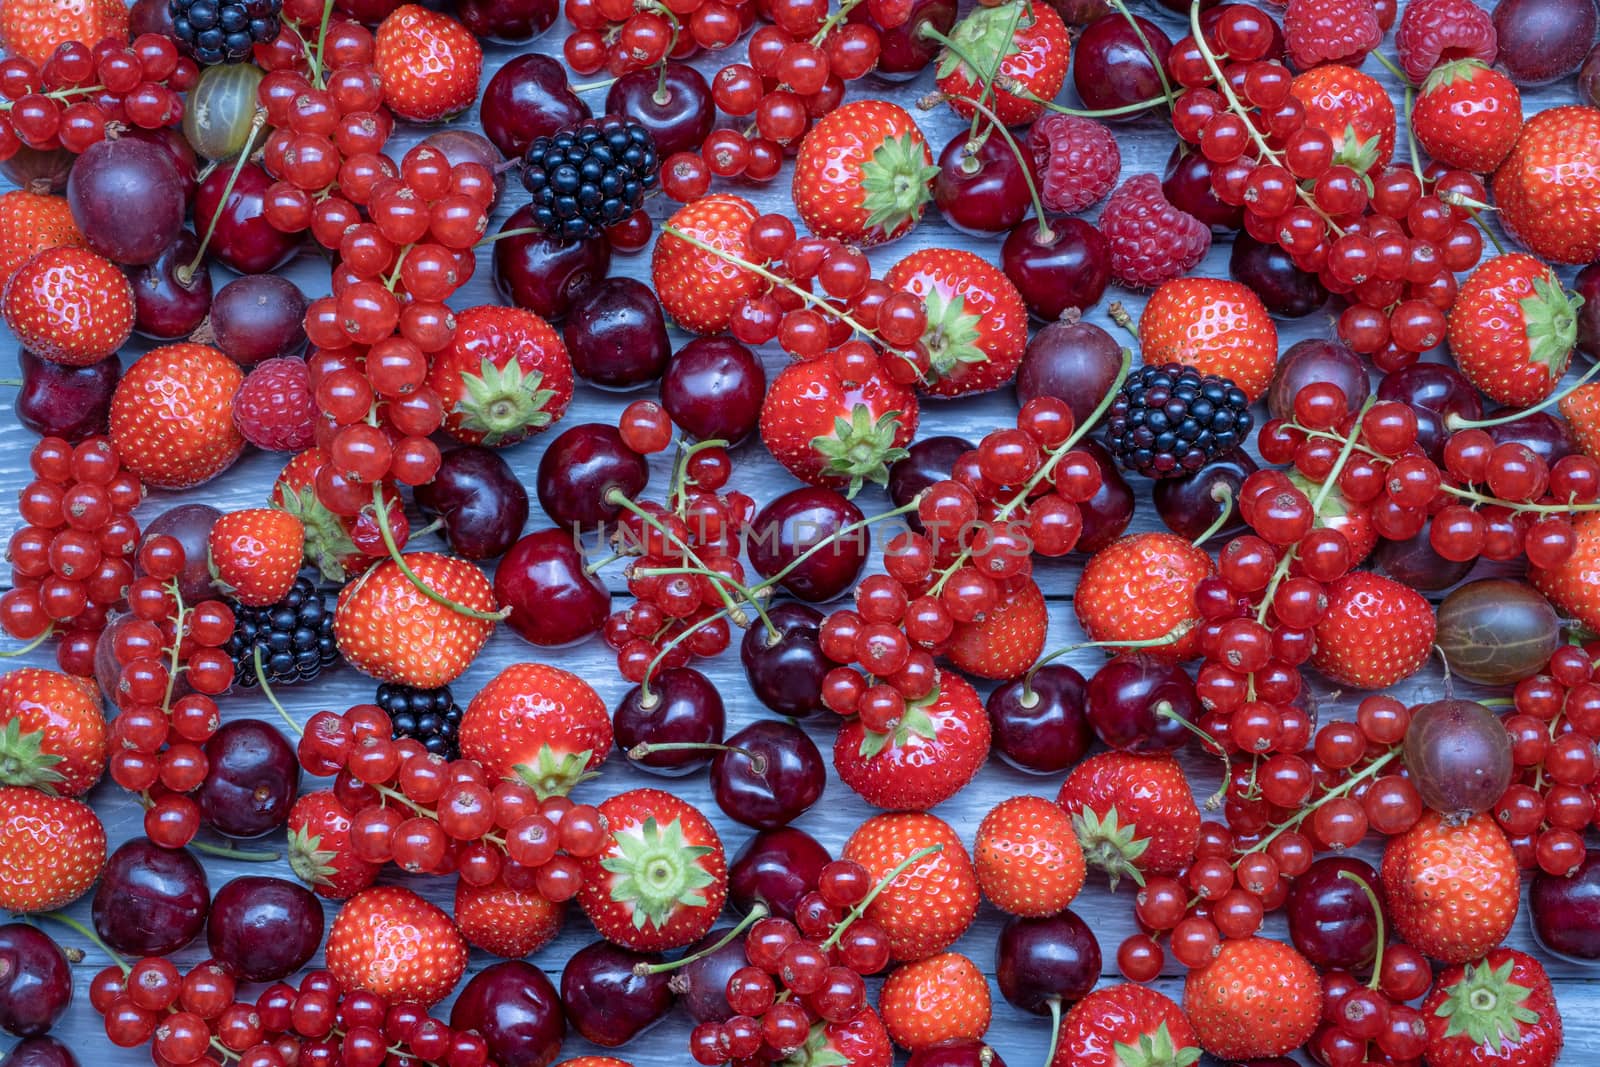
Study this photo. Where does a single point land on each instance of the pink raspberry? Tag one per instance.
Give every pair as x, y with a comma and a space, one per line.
274, 408
1151, 241
1433, 31
1330, 31
1076, 159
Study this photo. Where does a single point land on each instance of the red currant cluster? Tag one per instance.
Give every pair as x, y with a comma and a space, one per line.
70, 560
187, 1017
428, 815
69, 102
341, 544
1372, 1023
621, 36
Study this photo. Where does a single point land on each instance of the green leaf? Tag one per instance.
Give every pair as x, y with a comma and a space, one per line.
952, 333
1110, 845
23, 760
311, 863
658, 872
556, 775
1351, 151
328, 542
861, 449
895, 183
913, 722
817, 1052
1154, 1049
1486, 1007
1550, 319
500, 402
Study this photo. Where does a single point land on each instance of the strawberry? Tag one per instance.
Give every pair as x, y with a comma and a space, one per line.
33, 29
429, 64
30, 223
929, 905
1215, 326
662, 878
1375, 632
700, 289
51, 849
1124, 1025
977, 325
52, 731
1352, 108
828, 432
538, 724
504, 377
506, 922
1006, 640
1467, 115
69, 305
1574, 586
339, 546
1023, 48
863, 173
933, 751
1133, 814
389, 941
390, 629
1258, 998
1512, 328
256, 554
1452, 891
1028, 859
937, 998
1581, 409
319, 847
1548, 188
861, 1042
1500, 1010
1141, 588
172, 416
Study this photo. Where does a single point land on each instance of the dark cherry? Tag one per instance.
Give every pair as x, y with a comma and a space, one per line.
1587, 285
1106, 514
528, 97
1065, 265
785, 673
39, 171
1187, 185
928, 460
243, 239
1284, 289
1041, 727
1112, 69
516, 1010
1071, 360
1566, 911
616, 335
264, 928
1316, 360
605, 997
769, 775
1211, 13
151, 901
673, 103
980, 192
1541, 431
191, 525
1038, 961
40, 1051
1330, 918
150, 16
483, 504
809, 520
1139, 703
1189, 505
35, 981
165, 305
368, 11
907, 48
251, 781
259, 316
512, 21
581, 470
55, 400
108, 179
713, 388
553, 598
170, 139
1434, 391
702, 985
956, 1052
1542, 40
776, 867
1415, 563
680, 707
545, 275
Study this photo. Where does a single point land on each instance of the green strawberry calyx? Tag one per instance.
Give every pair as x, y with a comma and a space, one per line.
311, 863
553, 774
818, 1051
1154, 1049
913, 722
1452, 71
657, 872
502, 402
1109, 844
952, 333
23, 760
861, 448
328, 543
1360, 156
984, 38
894, 183
1486, 1007
1550, 317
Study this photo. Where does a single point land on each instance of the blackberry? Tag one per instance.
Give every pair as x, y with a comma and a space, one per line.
429, 715
591, 175
224, 31
1168, 420
295, 636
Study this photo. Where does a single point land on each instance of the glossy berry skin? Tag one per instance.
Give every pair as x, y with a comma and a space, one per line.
243, 239
702, 985
545, 275
616, 336
554, 600
606, 1000
164, 306
981, 192
251, 781
795, 522
151, 901
579, 471
61, 401
1566, 911
1187, 504
713, 388
1041, 728
528, 97
40, 1051
1330, 919
1065, 265
483, 504
905, 49
507, 20
785, 673
673, 103
782, 776
121, 171
1111, 67
516, 1009
264, 928
1285, 290
1071, 360
35, 981
776, 867
680, 707
927, 460
1040, 960
1138, 703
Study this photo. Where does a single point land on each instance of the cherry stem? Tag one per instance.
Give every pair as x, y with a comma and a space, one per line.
1164, 710
883, 883
1155, 60
758, 761
93, 938
1171, 637
1377, 912
590, 87
1045, 232
601, 564
31, 645
15, 383
520, 231
1411, 134
1454, 422
758, 911
272, 698
1339, 790
1020, 90
680, 468
1388, 63
240, 854
1054, 1003
185, 273
1222, 493
380, 510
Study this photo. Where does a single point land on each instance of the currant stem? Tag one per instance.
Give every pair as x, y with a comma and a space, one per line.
93, 938
31, 645
240, 854
272, 698
758, 762
832, 21
1411, 133
1019, 90
758, 911
1339, 790
887, 880
1045, 232
57, 94
380, 510
1377, 911
185, 273
429, 813
1454, 423
1171, 637
1155, 61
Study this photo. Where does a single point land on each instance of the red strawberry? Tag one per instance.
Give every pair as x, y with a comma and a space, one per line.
1548, 189
930, 904
319, 847
1023, 48
1467, 115
1122, 1025
390, 629
977, 325
30, 223
862, 173
1512, 328
1330, 31
256, 554
934, 749
1141, 588
504, 377
1028, 859
697, 288
1500, 1010
662, 878
1008, 638
1354, 521
861, 1042
69, 305
538, 724
429, 64
506, 922
389, 941
1574, 587
1452, 891
1354, 109
829, 432
33, 29
52, 731
1258, 998
172, 416
1133, 814
51, 849
938, 998
1581, 409
1376, 632
1214, 325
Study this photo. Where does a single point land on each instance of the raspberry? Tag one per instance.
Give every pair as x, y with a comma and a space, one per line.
1432, 31
274, 408
1151, 241
1330, 31
1076, 159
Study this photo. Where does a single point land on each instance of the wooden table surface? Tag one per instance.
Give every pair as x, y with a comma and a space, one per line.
1019, 1038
